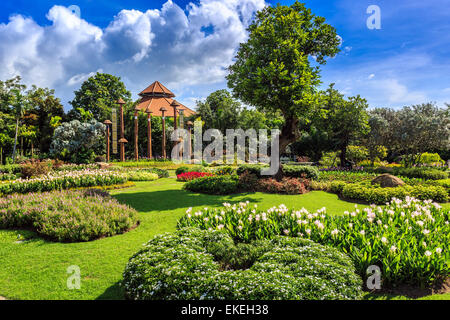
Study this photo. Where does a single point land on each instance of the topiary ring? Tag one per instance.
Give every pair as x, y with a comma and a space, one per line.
192, 264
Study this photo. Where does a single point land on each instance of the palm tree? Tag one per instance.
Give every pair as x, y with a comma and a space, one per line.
20, 105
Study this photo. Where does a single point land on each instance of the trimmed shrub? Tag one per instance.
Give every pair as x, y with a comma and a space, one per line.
67, 216
251, 168
286, 185
191, 264
214, 185
337, 186
308, 172
424, 173
181, 170
248, 181
378, 195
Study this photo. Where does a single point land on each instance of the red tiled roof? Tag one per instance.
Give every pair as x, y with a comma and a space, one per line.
157, 89
153, 104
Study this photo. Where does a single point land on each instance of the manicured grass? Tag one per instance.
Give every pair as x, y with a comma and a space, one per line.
36, 269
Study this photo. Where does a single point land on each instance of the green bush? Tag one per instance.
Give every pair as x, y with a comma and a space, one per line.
251, 168
181, 170
162, 173
214, 185
10, 168
67, 216
204, 265
377, 195
409, 240
308, 172
423, 173
337, 186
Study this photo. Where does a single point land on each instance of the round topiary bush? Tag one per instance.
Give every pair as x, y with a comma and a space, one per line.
194, 264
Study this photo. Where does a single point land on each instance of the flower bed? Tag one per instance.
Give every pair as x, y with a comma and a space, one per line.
139, 175
188, 176
67, 216
63, 180
408, 239
192, 264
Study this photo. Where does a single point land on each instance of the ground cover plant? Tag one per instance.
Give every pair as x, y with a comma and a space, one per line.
63, 180
408, 239
67, 216
194, 264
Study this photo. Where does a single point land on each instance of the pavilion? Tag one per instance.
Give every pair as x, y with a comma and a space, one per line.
156, 100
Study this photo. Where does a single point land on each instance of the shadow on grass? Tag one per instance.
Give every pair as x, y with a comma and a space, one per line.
114, 292
176, 199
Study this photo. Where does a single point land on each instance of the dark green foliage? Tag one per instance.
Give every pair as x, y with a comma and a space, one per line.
307, 172
214, 185
192, 264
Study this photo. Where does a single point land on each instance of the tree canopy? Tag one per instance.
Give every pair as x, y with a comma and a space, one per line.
99, 95
274, 69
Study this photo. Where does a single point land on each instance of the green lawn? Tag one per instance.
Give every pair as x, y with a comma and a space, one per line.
36, 269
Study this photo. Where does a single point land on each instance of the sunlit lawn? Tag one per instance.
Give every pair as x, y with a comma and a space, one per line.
36, 269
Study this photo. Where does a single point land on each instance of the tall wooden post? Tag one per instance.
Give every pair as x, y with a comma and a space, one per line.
189, 125
122, 137
107, 124
136, 131
163, 110
149, 134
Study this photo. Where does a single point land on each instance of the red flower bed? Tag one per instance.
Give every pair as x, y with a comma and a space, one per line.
188, 176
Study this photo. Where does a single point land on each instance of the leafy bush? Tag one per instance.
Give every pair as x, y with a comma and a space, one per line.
181, 170
214, 185
376, 194
192, 264
337, 186
78, 142
64, 180
224, 170
162, 173
308, 172
408, 239
188, 176
10, 168
8, 176
251, 168
35, 168
347, 176
433, 159
140, 175
67, 216
357, 153
248, 181
286, 185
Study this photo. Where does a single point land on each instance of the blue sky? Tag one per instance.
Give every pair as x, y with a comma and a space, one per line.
188, 44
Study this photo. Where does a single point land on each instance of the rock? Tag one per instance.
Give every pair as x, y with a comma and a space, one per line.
388, 181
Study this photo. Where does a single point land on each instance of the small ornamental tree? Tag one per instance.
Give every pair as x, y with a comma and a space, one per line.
274, 69
78, 142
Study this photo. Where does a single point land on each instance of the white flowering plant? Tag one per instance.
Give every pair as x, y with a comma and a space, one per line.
408, 239
194, 264
64, 180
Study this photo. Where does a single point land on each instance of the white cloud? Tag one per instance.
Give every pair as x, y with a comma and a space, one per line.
166, 44
371, 76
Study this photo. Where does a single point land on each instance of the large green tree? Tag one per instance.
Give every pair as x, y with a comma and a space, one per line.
99, 95
45, 106
277, 69
345, 119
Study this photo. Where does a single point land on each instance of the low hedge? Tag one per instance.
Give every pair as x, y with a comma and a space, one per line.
308, 172
377, 195
192, 264
251, 169
214, 185
424, 173
67, 216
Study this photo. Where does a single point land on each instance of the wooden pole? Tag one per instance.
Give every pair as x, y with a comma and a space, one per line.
136, 131
149, 135
122, 145
163, 134
107, 143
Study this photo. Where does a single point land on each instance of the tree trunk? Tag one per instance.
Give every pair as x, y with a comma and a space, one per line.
1, 155
343, 155
288, 135
15, 141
